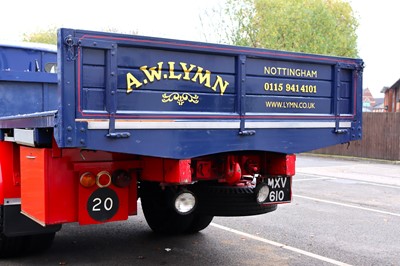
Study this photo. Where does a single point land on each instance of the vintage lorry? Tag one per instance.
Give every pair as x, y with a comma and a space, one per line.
187, 130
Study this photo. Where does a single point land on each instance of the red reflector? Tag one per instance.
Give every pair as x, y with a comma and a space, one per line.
103, 179
121, 178
282, 164
87, 180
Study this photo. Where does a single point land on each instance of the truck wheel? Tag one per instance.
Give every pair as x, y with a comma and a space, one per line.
229, 201
39, 243
11, 246
158, 210
200, 222
22, 245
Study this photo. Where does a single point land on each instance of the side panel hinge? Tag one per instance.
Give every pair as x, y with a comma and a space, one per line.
341, 131
247, 132
111, 132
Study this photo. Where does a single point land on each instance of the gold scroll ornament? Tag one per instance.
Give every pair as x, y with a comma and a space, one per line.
180, 98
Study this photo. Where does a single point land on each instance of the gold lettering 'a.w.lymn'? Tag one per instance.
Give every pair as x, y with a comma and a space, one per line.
183, 71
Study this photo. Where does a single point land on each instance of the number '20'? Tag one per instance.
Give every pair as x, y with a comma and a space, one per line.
108, 204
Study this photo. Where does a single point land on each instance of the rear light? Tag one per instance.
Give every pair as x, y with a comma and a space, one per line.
88, 179
103, 179
262, 192
184, 202
121, 178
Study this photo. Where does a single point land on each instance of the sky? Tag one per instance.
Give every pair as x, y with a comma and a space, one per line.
378, 32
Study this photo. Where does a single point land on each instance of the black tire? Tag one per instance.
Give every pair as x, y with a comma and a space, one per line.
11, 246
200, 222
23, 245
218, 200
39, 243
158, 210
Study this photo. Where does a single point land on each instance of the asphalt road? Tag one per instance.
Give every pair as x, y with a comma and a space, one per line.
344, 212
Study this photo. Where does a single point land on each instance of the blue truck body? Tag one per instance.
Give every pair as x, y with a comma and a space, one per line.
195, 130
179, 99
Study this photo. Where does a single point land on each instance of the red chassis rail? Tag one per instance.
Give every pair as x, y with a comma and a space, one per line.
48, 180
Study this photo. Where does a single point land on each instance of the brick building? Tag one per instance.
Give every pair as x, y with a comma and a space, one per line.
368, 100
392, 97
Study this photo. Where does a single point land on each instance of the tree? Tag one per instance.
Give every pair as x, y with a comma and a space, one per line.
48, 36
310, 26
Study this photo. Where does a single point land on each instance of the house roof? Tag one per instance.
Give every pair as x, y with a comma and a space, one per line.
395, 85
379, 101
384, 89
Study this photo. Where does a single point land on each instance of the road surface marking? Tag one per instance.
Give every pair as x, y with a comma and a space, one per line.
349, 205
276, 244
314, 179
321, 177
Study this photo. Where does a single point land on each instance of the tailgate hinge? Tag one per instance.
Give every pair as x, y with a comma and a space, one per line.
71, 43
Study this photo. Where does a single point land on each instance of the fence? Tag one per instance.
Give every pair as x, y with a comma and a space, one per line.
381, 139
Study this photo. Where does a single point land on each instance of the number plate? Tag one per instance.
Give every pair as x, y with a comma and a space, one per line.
103, 204
280, 190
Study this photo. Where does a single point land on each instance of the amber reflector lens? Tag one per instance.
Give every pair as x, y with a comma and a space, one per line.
88, 179
103, 179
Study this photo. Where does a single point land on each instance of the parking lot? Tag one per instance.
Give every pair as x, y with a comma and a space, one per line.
344, 212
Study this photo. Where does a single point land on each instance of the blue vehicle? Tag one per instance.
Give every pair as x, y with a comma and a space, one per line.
195, 130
